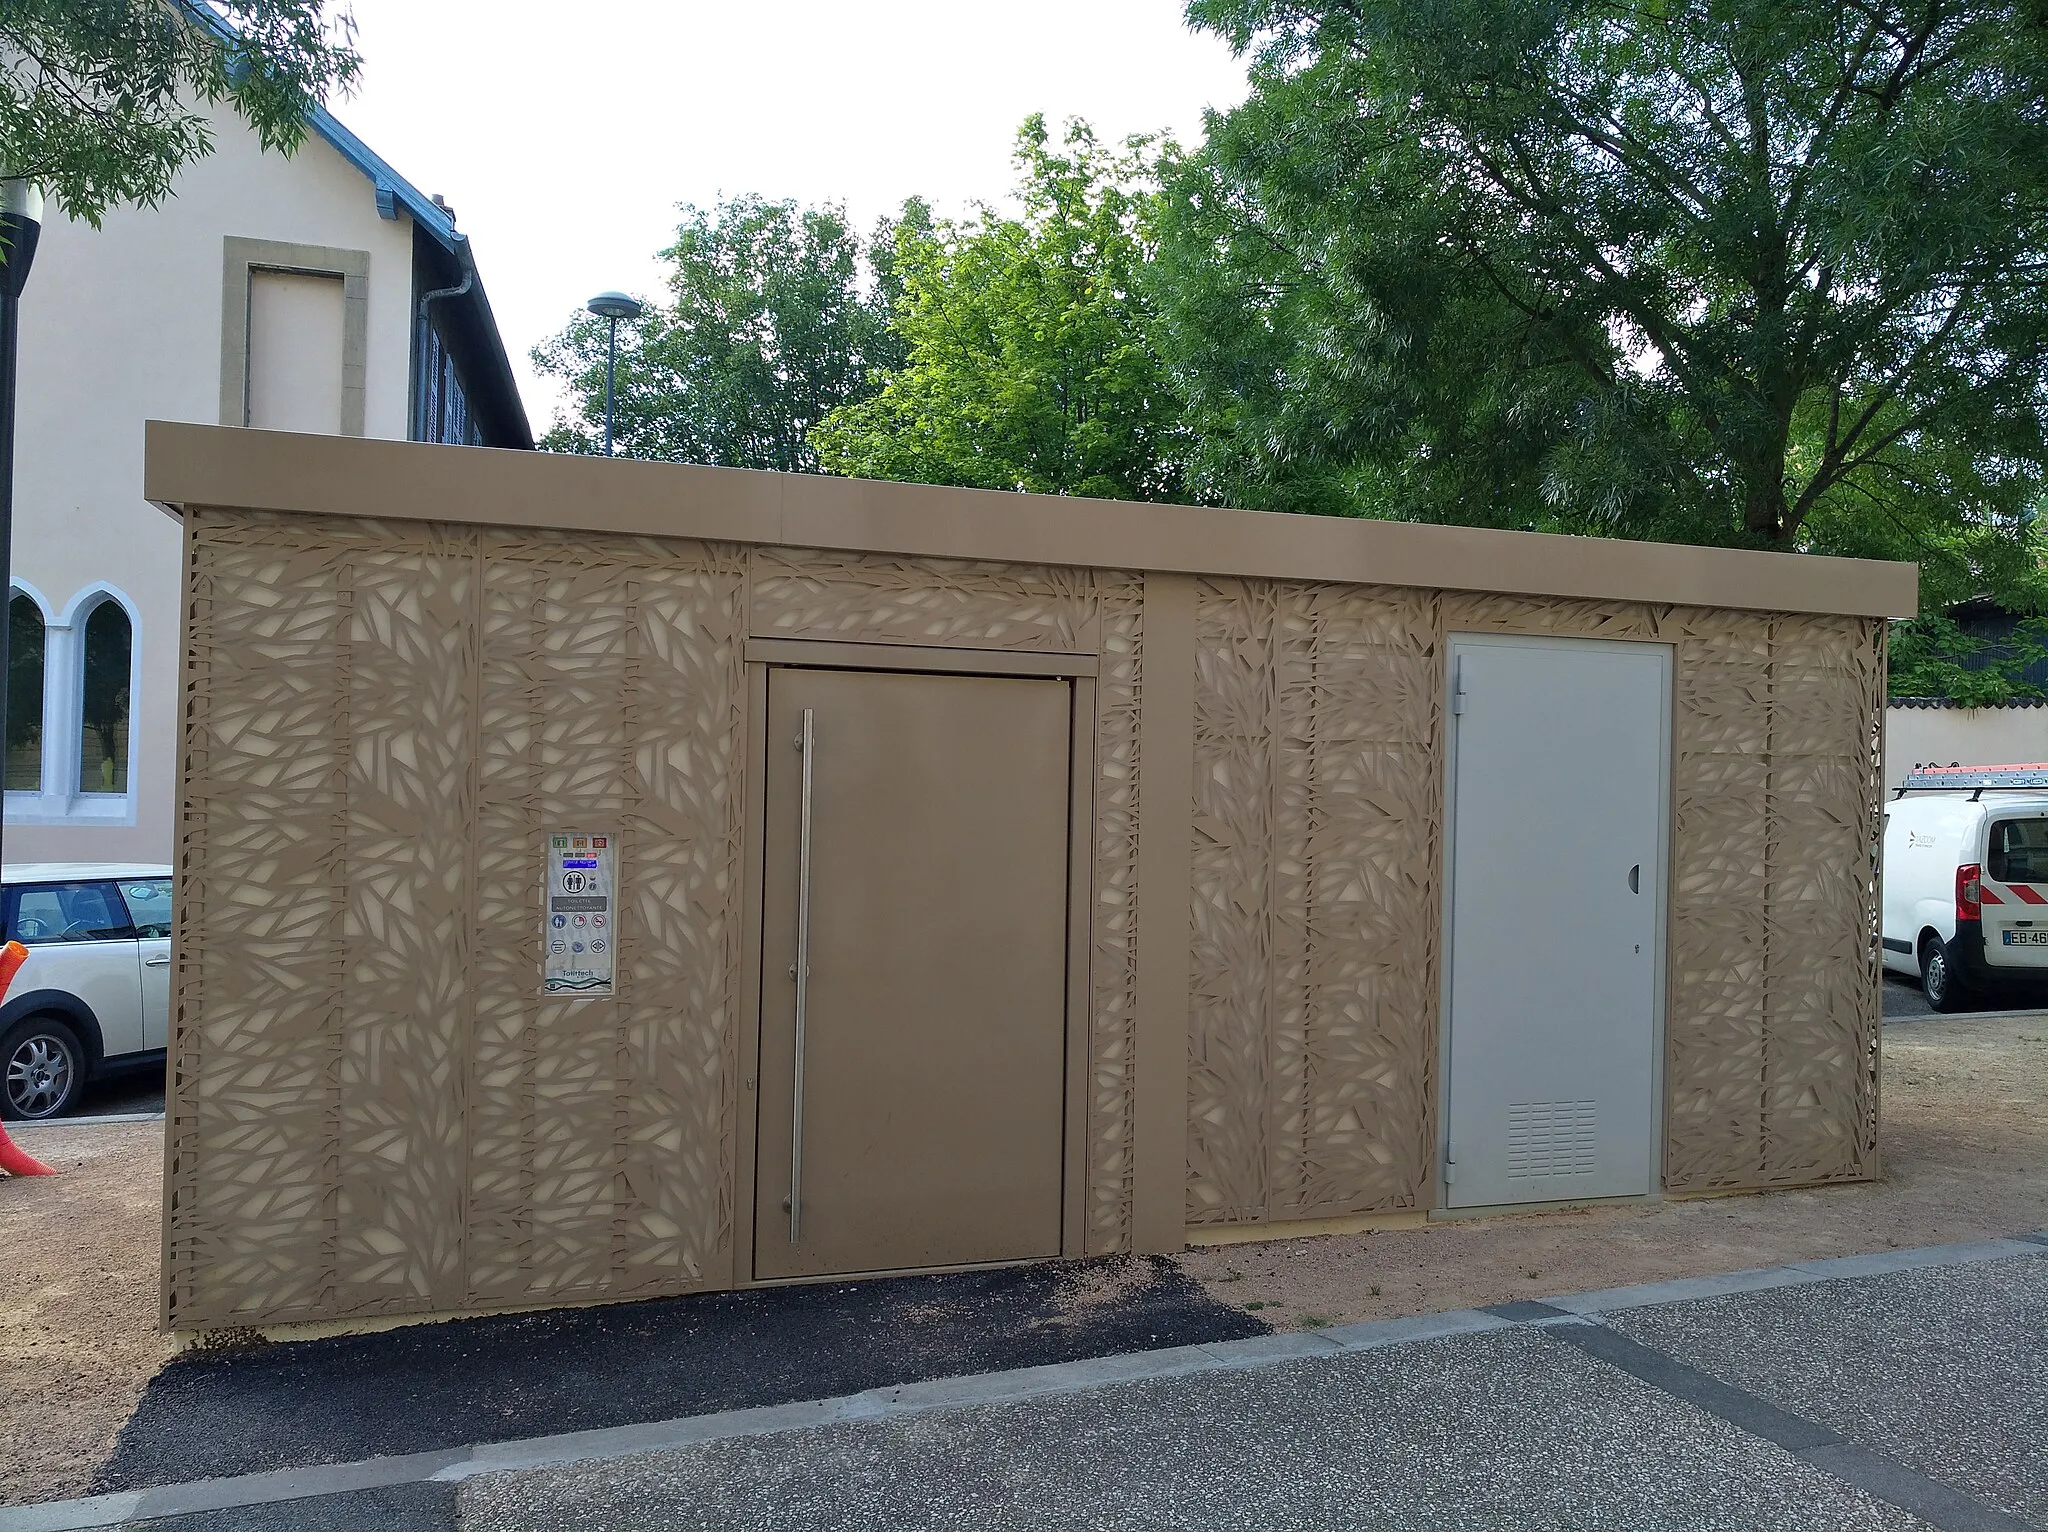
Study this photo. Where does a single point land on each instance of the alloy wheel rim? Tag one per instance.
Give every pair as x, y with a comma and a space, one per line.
38, 1077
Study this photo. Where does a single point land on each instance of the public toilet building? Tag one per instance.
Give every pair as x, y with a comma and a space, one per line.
605, 879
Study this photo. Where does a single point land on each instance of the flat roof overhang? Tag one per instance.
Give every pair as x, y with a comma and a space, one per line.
227, 467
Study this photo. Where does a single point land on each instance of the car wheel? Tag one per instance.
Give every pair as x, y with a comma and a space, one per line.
1939, 980
42, 1068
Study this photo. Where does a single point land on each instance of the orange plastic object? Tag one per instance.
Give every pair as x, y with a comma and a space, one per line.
16, 1162
12, 1159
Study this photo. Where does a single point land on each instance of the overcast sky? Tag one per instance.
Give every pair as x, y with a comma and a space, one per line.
564, 135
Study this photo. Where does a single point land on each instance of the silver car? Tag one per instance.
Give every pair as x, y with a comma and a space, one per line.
94, 997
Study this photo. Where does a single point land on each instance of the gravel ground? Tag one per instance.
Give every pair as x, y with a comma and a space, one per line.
1965, 1142
78, 1286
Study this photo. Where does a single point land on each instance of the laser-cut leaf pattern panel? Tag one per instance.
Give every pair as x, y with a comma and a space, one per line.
1317, 856
602, 1133
371, 1111
874, 598
887, 599
1312, 1034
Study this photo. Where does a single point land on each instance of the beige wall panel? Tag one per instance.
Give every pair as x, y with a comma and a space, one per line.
1312, 1026
316, 1105
1113, 918
873, 598
601, 1156
372, 1111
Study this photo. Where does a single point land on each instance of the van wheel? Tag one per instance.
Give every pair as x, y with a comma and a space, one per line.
1939, 980
42, 1068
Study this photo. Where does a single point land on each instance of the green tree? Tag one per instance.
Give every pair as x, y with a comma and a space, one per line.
776, 315
100, 99
1763, 272
1030, 363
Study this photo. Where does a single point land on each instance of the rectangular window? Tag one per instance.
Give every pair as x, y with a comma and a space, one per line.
2019, 851
296, 326
66, 912
149, 905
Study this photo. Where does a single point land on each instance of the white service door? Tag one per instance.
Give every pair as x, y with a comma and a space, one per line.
1556, 893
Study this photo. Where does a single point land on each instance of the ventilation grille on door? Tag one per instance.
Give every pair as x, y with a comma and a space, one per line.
1549, 1138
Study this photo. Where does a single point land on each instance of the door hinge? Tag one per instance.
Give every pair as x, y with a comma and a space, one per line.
1457, 685
1450, 1165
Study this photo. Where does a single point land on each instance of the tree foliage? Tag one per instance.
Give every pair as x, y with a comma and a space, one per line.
776, 315
99, 98
1029, 362
1763, 272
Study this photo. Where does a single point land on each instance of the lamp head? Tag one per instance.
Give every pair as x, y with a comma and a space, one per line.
615, 306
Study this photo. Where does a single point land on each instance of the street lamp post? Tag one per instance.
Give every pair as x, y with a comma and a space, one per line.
612, 307
21, 225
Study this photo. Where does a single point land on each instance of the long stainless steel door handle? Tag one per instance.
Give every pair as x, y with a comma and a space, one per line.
806, 742
157, 962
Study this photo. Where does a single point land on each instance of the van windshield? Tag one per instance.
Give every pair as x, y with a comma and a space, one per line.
2019, 851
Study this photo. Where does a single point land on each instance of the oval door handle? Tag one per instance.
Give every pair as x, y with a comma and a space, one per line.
161, 962
1635, 879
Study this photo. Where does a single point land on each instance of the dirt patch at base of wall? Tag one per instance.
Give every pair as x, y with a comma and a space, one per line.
78, 1307
1965, 1144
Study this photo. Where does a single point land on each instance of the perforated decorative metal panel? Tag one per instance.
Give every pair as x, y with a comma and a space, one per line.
1316, 892
373, 1111
1311, 1041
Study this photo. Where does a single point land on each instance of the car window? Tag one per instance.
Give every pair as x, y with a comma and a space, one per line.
67, 912
149, 904
2019, 851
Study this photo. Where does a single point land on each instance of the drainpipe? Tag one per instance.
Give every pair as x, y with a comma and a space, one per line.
426, 299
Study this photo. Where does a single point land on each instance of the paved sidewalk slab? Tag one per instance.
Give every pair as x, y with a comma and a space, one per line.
1944, 1369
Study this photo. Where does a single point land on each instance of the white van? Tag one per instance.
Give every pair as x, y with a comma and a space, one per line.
1966, 880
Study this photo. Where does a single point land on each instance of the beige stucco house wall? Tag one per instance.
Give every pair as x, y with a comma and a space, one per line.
147, 317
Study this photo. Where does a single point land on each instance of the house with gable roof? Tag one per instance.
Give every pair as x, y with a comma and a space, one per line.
317, 293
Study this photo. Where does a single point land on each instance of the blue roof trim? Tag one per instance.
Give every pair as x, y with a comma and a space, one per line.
394, 192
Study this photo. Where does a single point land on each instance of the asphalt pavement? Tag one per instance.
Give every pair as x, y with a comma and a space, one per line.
1894, 1391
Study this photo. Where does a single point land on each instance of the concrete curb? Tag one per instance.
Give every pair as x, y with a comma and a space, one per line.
2032, 1013
85, 1122
455, 1464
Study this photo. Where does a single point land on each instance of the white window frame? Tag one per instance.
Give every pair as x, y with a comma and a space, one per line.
60, 802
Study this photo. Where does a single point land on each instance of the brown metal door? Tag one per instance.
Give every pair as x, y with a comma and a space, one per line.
920, 1121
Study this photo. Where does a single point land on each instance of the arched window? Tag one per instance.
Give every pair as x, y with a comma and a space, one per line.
103, 739
24, 695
